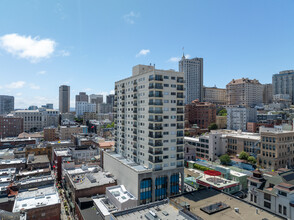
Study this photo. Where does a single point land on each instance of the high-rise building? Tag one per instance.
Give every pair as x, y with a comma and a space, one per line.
64, 99
283, 83
6, 104
82, 97
96, 99
149, 131
110, 99
267, 94
245, 92
103, 108
201, 113
239, 116
215, 95
193, 70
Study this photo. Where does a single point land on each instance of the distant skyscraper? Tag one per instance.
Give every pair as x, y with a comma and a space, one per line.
283, 83
267, 93
193, 70
110, 99
82, 97
96, 99
64, 99
6, 104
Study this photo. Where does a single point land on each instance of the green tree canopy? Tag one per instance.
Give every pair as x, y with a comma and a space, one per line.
243, 155
212, 126
252, 160
222, 112
225, 159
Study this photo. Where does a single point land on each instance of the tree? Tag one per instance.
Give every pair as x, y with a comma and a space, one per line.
243, 155
212, 126
225, 159
251, 160
222, 112
187, 134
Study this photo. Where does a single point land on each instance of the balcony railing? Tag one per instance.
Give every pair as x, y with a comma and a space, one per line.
155, 111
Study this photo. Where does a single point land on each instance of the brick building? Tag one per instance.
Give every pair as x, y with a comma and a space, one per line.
200, 113
49, 134
10, 126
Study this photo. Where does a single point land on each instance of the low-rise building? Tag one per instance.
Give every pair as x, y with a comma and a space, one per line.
203, 204
221, 122
274, 193
87, 181
145, 184
19, 163
65, 132
37, 162
50, 134
277, 148
39, 203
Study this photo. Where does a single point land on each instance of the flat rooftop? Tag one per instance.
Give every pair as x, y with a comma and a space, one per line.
62, 153
38, 159
13, 161
120, 193
35, 198
131, 164
7, 171
35, 180
203, 198
89, 180
217, 182
163, 210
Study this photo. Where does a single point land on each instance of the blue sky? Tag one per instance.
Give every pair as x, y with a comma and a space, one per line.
91, 44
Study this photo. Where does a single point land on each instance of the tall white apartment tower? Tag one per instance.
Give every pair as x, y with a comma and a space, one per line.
149, 127
193, 70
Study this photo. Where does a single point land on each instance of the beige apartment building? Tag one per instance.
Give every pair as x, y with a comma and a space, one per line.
65, 132
243, 141
277, 148
245, 92
215, 95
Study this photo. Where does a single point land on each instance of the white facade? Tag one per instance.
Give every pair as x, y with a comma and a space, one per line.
237, 117
82, 107
208, 147
36, 120
150, 116
193, 70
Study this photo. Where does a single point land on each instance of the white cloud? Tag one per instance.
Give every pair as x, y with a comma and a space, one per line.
143, 52
35, 87
63, 53
174, 59
88, 89
177, 59
42, 72
15, 85
130, 17
33, 49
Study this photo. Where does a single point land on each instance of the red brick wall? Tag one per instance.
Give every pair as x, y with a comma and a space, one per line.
51, 212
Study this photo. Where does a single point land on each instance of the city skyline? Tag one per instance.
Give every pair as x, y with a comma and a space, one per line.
78, 44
